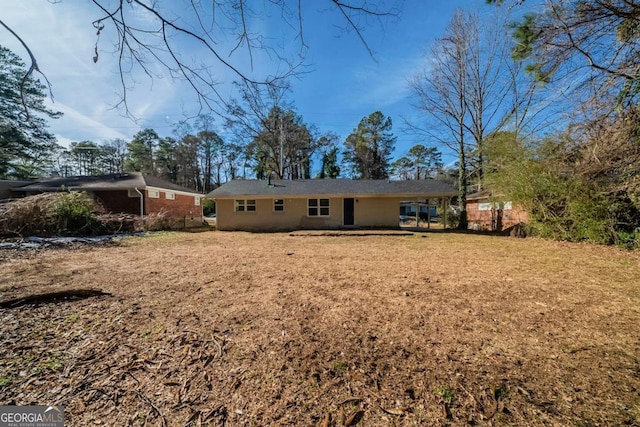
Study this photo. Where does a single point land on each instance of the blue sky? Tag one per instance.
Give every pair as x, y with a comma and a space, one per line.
344, 83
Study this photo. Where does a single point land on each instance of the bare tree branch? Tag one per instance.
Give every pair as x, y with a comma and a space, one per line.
154, 43
32, 67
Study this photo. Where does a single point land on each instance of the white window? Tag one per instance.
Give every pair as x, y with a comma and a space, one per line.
245, 205
489, 206
318, 207
133, 193
278, 205
170, 196
153, 194
196, 201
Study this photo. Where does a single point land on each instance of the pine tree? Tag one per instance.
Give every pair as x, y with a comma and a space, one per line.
26, 147
368, 149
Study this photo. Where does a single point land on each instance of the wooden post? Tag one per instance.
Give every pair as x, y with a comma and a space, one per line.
445, 213
428, 213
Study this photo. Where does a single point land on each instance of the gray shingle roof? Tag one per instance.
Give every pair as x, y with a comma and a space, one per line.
124, 181
346, 187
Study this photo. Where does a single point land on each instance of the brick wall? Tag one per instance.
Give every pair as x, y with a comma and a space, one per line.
118, 201
490, 220
183, 206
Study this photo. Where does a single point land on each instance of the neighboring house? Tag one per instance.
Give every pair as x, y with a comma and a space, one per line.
485, 212
7, 185
133, 193
426, 211
318, 203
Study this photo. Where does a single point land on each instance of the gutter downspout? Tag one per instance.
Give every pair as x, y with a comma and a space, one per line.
141, 202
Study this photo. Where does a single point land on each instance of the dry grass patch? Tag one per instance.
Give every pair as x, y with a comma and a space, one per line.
262, 329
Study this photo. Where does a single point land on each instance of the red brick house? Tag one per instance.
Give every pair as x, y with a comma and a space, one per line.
485, 212
133, 193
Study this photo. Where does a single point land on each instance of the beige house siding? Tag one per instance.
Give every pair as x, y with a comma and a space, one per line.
368, 212
377, 211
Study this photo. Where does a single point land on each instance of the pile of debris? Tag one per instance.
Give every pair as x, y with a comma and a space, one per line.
71, 214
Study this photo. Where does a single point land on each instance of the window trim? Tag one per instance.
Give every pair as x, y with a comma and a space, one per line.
153, 194
196, 201
319, 207
245, 205
276, 205
169, 193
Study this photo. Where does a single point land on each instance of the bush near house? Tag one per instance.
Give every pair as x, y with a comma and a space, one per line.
72, 214
47, 214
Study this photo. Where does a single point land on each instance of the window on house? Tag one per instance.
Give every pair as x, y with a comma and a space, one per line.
196, 201
170, 196
278, 205
153, 194
318, 207
133, 193
245, 205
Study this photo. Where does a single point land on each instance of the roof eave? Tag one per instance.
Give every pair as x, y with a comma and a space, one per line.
434, 194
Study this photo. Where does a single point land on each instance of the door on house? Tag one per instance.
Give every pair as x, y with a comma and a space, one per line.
348, 212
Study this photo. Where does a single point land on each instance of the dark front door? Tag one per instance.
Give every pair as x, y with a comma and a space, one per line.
348, 212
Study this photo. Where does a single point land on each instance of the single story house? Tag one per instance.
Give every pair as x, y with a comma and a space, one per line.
260, 205
485, 212
134, 193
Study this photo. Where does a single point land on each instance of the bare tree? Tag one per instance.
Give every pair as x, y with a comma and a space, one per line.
440, 93
150, 33
274, 135
469, 89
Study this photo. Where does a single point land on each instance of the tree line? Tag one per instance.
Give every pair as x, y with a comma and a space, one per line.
265, 136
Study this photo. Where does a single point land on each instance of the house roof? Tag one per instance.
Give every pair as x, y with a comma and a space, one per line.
123, 181
334, 187
483, 194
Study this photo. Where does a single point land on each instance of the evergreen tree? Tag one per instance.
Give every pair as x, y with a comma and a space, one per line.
368, 149
330, 168
166, 163
141, 150
26, 147
425, 161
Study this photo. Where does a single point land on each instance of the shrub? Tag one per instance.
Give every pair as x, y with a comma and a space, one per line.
208, 207
73, 212
158, 222
628, 240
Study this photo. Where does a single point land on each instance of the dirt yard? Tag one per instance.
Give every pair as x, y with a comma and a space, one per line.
246, 329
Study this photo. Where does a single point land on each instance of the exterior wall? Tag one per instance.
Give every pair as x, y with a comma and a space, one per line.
489, 219
118, 201
7, 184
368, 212
182, 207
376, 212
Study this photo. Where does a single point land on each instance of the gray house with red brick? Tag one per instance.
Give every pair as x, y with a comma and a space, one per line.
134, 193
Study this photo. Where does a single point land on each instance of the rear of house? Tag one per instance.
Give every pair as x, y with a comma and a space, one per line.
255, 205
